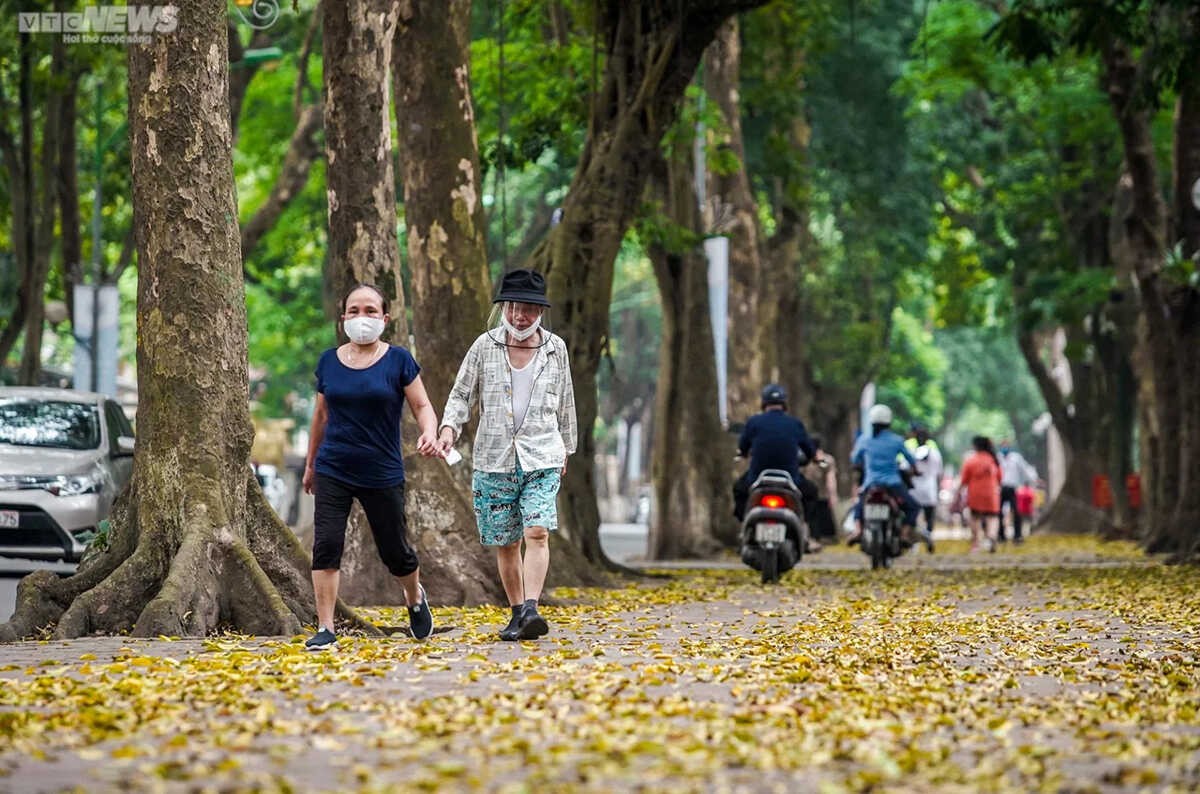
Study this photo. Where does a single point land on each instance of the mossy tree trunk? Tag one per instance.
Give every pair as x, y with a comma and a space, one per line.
360, 186
451, 289
752, 314
1169, 319
194, 546
689, 459
651, 51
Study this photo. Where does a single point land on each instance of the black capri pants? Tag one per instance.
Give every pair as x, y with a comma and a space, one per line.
385, 514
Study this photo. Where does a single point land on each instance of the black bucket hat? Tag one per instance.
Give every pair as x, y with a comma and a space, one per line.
523, 286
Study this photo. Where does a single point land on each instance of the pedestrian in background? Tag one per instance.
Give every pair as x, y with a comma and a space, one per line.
929, 474
980, 477
1015, 473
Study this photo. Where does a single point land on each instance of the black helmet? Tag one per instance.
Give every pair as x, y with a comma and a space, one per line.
773, 394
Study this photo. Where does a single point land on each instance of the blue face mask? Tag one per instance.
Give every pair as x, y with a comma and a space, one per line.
1004, 450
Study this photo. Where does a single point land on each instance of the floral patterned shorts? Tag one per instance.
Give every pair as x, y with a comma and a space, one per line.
507, 502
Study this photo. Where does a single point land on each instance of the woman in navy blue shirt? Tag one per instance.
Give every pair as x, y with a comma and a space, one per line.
354, 453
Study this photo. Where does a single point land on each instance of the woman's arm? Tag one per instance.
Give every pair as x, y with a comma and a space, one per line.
418, 403
315, 435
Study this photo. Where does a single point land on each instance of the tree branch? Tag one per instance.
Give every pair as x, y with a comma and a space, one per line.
1056, 402
302, 83
302, 150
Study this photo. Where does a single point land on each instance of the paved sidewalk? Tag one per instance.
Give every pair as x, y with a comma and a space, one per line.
998, 672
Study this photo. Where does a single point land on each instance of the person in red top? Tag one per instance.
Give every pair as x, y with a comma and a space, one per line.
981, 477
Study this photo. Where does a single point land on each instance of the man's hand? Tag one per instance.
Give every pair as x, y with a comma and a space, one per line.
429, 446
310, 478
445, 441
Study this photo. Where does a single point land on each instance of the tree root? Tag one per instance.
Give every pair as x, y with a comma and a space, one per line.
43, 597
114, 603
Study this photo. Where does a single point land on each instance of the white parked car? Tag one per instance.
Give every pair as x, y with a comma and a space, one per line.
64, 457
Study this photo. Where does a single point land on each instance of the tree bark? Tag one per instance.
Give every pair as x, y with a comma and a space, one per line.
68, 193
1184, 301
752, 313
451, 288
1169, 321
18, 159
194, 546
363, 247
651, 53
692, 490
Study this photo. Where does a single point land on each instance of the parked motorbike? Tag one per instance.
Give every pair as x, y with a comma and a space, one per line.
774, 534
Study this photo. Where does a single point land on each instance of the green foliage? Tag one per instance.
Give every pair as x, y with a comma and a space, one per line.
531, 90
911, 381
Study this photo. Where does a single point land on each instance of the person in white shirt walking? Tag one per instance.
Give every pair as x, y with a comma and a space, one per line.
1015, 471
519, 375
929, 476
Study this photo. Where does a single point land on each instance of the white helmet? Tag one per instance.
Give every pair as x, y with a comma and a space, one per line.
879, 414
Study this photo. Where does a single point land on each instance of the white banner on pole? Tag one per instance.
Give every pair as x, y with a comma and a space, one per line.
82, 324
716, 249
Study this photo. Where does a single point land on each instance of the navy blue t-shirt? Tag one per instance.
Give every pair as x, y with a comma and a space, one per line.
362, 435
773, 439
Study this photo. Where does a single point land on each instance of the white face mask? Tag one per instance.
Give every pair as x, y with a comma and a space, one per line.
363, 330
518, 334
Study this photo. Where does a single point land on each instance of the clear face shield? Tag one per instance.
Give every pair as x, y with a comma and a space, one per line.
511, 321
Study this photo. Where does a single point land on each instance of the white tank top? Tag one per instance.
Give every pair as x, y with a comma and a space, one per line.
522, 391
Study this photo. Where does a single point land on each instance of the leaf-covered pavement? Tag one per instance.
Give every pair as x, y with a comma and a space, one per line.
952, 672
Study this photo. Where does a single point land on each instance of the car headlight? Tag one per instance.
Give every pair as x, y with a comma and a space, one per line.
78, 485
60, 485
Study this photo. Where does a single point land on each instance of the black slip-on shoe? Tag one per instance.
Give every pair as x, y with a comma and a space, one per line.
509, 633
532, 626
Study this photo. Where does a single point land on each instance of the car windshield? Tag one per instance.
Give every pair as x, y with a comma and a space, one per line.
49, 423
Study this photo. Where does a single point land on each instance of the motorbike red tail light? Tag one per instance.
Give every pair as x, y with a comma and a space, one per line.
772, 500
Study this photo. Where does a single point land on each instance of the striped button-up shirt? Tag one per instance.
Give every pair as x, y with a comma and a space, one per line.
549, 432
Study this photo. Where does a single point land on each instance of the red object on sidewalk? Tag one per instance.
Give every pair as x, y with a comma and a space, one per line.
1025, 498
1133, 486
1101, 493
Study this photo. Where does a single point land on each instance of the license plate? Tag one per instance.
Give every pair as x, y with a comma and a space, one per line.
876, 511
10, 519
770, 532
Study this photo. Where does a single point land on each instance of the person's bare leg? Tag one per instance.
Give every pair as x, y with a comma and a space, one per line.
412, 587
976, 540
537, 561
508, 561
325, 589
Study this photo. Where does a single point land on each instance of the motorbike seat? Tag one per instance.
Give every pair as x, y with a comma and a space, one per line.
775, 478
879, 494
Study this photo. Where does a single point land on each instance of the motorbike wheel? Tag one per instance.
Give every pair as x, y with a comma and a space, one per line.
770, 566
879, 552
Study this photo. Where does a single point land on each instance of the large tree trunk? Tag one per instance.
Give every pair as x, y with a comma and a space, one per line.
692, 496
18, 160
752, 314
362, 214
68, 193
194, 546
1185, 307
1170, 312
44, 224
651, 53
443, 212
